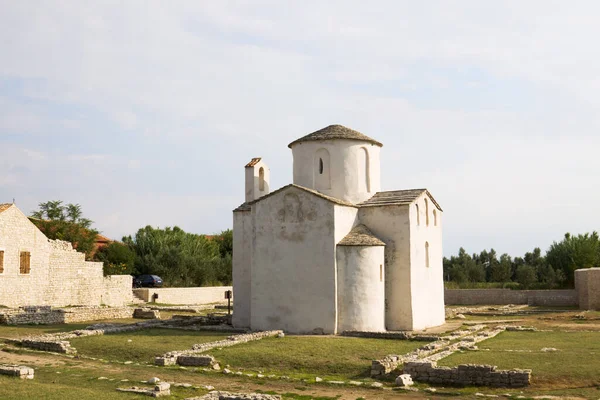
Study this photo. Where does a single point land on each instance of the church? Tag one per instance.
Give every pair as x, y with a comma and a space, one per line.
331, 252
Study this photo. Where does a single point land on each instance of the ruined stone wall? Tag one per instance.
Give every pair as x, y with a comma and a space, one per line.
551, 298
47, 316
467, 375
189, 295
58, 276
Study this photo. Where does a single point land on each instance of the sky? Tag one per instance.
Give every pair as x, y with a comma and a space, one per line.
145, 112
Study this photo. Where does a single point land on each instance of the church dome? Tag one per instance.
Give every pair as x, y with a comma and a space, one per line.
335, 132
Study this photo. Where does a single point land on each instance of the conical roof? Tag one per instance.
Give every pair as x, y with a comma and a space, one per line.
360, 235
335, 132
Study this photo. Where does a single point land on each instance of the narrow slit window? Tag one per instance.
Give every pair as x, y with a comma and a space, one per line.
427, 254
321, 166
1, 261
380, 272
434, 218
426, 212
261, 179
25, 262
418, 216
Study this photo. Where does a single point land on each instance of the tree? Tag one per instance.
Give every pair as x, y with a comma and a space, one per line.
180, 258
65, 222
118, 259
574, 252
502, 270
526, 276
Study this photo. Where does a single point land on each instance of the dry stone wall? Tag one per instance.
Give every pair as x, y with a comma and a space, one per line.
172, 358
549, 298
467, 375
17, 370
48, 316
216, 395
587, 284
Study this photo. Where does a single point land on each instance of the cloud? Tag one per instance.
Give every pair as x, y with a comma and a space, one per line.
146, 111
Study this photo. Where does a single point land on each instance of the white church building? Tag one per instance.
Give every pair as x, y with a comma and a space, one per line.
331, 252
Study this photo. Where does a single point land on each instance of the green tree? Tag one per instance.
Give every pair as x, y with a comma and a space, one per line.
180, 258
118, 259
526, 276
574, 252
501, 271
66, 222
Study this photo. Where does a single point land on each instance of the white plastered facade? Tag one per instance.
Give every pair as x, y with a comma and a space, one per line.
300, 265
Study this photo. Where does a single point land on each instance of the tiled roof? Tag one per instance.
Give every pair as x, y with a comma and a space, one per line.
397, 197
5, 206
360, 235
253, 162
335, 132
318, 194
243, 207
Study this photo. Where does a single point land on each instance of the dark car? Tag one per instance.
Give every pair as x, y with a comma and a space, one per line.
147, 281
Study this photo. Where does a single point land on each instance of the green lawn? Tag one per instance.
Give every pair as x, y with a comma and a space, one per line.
327, 357
576, 363
144, 344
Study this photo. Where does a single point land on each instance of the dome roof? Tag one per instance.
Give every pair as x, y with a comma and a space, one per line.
335, 132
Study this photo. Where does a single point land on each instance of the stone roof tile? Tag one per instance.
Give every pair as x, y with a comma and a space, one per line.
360, 235
5, 206
397, 197
335, 132
253, 162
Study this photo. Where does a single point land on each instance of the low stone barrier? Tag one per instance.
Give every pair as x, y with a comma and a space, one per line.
189, 295
467, 375
391, 335
236, 396
172, 358
49, 316
16, 370
146, 313
161, 389
548, 298
196, 360
62, 346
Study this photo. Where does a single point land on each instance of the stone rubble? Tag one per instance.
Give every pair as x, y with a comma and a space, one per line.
161, 389
172, 358
146, 313
217, 395
467, 375
17, 370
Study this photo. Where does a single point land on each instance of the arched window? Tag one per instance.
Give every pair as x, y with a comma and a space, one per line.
418, 216
322, 173
426, 212
364, 182
427, 254
434, 217
261, 179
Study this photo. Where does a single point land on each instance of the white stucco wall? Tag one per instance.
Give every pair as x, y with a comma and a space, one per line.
293, 274
427, 285
241, 263
361, 288
347, 175
252, 181
392, 225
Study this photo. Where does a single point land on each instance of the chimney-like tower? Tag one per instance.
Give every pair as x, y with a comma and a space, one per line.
257, 179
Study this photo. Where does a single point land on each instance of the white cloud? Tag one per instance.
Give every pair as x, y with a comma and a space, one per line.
191, 90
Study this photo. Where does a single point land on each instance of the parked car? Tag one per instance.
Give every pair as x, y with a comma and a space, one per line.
147, 281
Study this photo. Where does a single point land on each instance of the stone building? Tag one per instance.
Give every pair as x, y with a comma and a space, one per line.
331, 252
37, 271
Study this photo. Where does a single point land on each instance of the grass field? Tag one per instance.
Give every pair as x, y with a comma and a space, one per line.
575, 364
327, 357
141, 346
